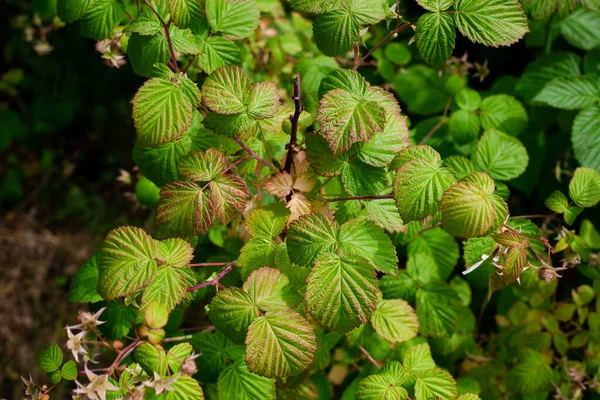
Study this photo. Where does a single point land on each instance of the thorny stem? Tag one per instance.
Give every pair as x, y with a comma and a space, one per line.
215, 264
291, 146
385, 196
253, 154
539, 239
167, 35
373, 361
439, 124
212, 281
397, 29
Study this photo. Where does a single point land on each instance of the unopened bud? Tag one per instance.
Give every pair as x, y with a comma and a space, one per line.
547, 274
117, 344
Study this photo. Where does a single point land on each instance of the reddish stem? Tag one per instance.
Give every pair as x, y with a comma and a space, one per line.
212, 281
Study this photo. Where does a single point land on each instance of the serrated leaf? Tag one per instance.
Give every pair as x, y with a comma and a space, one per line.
515, 261
101, 17
379, 387
313, 6
360, 179
162, 110
417, 360
280, 344
540, 72
69, 370
335, 32
502, 156
203, 166
491, 22
269, 290
439, 245
183, 41
144, 26
126, 263
311, 236
184, 209
236, 19
216, 352
119, 317
185, 388
395, 321
531, 374
435, 35
557, 202
584, 187
71, 10
468, 99
438, 308
381, 149
151, 358
175, 252
464, 127
168, 286
346, 118
461, 166
185, 13
156, 315
341, 291
226, 90
419, 184
401, 287
320, 157
218, 52
177, 354
435, 5
228, 195
435, 384
237, 383
582, 29
586, 137
384, 214
505, 113
232, 311
146, 53
570, 92
263, 100
51, 359
84, 283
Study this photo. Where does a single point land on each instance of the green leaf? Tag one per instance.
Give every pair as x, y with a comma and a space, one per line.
435, 35
401, 287
502, 156
468, 99
440, 246
263, 100
464, 126
571, 214
584, 187
175, 252
348, 117
218, 52
309, 237
184, 209
341, 291
156, 315
228, 195
381, 149
435, 5
144, 26
226, 91
177, 354
186, 13
586, 137
435, 384
236, 19
423, 269
232, 311
320, 157
384, 214
336, 31
438, 308
101, 17
126, 263
84, 283
505, 113
146, 53
151, 358
531, 374
417, 360
185, 388
69, 370
183, 41
168, 286
280, 344
313, 6
71, 10
557, 202
119, 319
361, 179
461, 166
237, 383
570, 92
269, 290
582, 29
380, 387
491, 22
51, 359
216, 352
395, 321
469, 209
420, 183
163, 110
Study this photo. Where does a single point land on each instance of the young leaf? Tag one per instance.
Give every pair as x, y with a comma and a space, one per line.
156, 315
101, 17
584, 187
313, 6
361, 179
269, 290
237, 383
341, 291
586, 137
226, 91
168, 286
435, 35
380, 387
557, 202
336, 31
231, 312
185, 13
51, 359
383, 146
505, 113
127, 262
69, 371
162, 109
417, 360
280, 344
184, 209
395, 321
468, 99
500, 155
218, 52
570, 92
84, 283
175, 252
464, 126
236, 19
491, 22
435, 384
438, 308
263, 100
184, 388
147, 53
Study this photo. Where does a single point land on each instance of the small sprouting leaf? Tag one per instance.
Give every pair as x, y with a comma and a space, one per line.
51, 359
505, 113
557, 202
237, 383
69, 370
227, 90
156, 315
586, 137
438, 308
163, 109
395, 321
584, 187
435, 35
570, 92
127, 262
184, 209
71, 10
341, 292
84, 283
236, 19
502, 156
515, 261
491, 22
435, 384
101, 17
420, 183
280, 344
